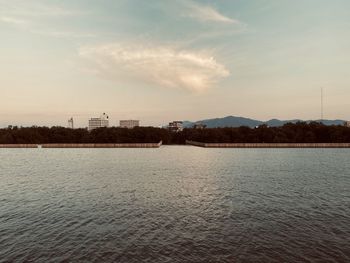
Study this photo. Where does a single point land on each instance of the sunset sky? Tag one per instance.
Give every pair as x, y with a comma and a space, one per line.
163, 60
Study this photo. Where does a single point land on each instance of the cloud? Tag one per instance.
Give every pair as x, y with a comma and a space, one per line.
45, 31
35, 9
36, 18
159, 65
13, 21
207, 13
64, 34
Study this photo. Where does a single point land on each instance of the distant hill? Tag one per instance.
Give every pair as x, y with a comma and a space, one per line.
233, 121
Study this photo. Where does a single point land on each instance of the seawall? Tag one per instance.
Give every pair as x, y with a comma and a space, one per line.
192, 143
268, 145
84, 145
18, 146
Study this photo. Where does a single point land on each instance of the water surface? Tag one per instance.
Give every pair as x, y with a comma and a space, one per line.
175, 204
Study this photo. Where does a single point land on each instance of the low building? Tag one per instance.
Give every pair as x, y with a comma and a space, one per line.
175, 126
101, 122
129, 123
199, 126
347, 124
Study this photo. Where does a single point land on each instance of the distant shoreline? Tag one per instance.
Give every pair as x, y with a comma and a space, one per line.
312, 135
188, 143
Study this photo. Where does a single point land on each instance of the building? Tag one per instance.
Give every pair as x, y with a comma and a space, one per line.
100, 122
175, 126
129, 123
199, 126
347, 124
71, 123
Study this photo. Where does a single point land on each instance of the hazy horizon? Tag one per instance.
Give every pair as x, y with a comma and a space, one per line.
159, 61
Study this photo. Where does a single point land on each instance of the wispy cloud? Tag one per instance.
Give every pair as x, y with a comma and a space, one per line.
206, 13
159, 65
13, 21
35, 17
63, 34
35, 9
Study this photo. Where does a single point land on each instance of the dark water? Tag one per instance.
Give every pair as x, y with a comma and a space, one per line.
175, 204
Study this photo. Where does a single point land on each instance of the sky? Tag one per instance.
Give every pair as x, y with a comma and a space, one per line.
164, 60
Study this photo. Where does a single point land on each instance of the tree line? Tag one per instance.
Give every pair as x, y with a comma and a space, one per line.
289, 133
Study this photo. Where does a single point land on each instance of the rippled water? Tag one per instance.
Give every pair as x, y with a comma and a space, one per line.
175, 204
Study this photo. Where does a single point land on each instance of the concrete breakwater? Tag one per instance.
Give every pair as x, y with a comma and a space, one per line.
84, 145
269, 145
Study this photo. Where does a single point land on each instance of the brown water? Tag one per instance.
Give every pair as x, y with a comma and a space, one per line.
174, 204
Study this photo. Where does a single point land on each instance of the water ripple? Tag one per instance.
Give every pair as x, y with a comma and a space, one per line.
174, 204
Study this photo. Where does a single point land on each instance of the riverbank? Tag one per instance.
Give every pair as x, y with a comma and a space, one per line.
289, 133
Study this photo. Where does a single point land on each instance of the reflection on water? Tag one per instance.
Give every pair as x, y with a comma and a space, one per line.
175, 204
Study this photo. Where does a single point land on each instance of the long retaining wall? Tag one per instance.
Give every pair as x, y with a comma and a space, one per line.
269, 145
18, 146
84, 145
193, 143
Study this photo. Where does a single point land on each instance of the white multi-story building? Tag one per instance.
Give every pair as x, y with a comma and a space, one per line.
100, 122
71, 123
175, 126
347, 124
129, 123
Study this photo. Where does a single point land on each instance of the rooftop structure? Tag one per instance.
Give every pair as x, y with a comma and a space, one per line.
129, 123
175, 126
100, 122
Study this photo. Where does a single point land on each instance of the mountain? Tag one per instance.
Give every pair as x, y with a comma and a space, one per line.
233, 121
229, 121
